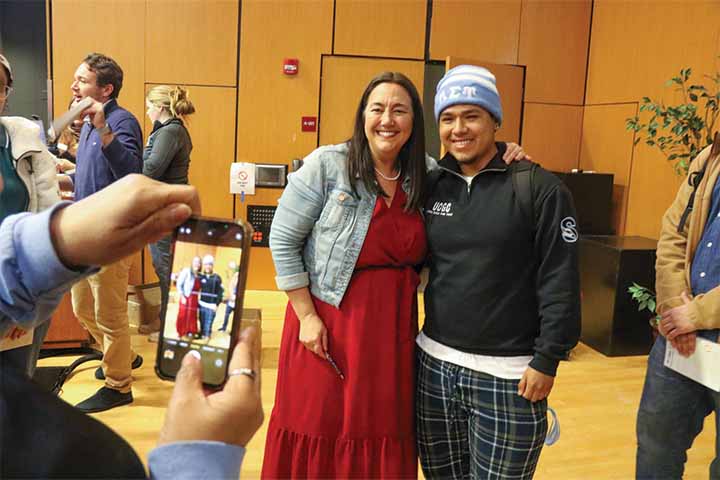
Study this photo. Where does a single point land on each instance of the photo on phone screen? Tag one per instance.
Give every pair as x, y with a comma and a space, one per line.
207, 283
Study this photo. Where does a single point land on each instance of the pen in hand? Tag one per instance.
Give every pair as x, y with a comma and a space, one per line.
334, 365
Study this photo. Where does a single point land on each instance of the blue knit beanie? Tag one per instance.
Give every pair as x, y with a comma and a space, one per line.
468, 84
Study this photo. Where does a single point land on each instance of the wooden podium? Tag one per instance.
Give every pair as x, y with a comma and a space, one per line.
611, 322
65, 330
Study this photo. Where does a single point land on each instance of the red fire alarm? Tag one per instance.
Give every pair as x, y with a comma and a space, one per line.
290, 66
309, 124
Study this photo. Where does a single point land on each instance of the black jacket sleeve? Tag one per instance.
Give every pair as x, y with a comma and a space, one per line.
558, 280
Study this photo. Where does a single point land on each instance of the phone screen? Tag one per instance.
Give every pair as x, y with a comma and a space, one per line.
207, 281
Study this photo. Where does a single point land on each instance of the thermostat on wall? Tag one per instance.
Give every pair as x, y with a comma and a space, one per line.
271, 175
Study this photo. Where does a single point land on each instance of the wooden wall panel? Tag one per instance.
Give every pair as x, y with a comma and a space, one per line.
653, 185
191, 42
393, 28
636, 46
113, 27
554, 38
487, 30
343, 83
551, 135
271, 104
607, 148
634, 50
510, 81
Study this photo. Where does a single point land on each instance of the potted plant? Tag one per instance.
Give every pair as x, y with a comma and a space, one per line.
680, 132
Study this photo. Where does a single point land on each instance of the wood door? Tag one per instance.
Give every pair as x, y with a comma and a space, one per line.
343, 82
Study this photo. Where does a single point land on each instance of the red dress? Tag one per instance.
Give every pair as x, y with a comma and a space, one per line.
187, 319
364, 426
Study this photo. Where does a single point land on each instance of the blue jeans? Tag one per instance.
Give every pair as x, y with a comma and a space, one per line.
672, 412
207, 316
160, 253
228, 311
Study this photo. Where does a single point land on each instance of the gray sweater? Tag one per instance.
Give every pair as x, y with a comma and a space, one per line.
166, 156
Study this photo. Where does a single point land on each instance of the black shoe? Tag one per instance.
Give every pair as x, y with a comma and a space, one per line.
104, 399
137, 363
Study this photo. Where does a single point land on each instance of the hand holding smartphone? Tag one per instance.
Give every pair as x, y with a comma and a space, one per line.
209, 257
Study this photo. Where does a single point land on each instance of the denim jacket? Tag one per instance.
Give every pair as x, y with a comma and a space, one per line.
320, 225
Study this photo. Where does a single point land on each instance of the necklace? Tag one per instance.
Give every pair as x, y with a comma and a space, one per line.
389, 179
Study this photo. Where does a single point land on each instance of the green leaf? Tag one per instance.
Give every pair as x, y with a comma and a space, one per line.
651, 305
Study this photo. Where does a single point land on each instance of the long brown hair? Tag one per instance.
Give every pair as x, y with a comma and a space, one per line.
411, 158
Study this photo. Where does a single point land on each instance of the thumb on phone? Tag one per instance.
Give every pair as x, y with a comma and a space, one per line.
188, 381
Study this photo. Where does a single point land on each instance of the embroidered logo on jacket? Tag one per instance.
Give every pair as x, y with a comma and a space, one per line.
568, 228
443, 209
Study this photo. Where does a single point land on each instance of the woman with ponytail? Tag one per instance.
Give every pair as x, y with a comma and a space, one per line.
166, 158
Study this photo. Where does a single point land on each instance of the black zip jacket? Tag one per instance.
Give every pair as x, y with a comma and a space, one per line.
500, 285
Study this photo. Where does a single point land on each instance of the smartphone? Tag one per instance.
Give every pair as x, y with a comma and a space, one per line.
209, 264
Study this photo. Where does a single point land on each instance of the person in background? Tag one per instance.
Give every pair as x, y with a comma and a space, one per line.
41, 256
232, 294
673, 407
211, 294
28, 170
188, 288
166, 158
109, 148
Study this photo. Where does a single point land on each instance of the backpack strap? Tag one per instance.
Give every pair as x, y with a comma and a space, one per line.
523, 181
694, 180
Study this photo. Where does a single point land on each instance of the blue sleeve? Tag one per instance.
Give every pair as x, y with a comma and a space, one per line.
32, 277
194, 460
298, 209
124, 153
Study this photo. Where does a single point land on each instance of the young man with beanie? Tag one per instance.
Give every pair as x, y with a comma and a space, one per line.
673, 407
110, 147
211, 294
502, 305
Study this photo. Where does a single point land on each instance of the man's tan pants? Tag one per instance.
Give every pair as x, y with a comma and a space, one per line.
100, 303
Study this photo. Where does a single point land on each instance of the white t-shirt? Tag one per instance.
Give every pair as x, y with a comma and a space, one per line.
510, 368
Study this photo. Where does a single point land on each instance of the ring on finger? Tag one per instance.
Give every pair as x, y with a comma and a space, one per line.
248, 372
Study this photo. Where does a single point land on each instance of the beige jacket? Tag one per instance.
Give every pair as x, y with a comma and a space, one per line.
35, 165
675, 250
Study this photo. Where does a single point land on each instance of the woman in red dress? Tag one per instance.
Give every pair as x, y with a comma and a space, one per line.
345, 253
188, 286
